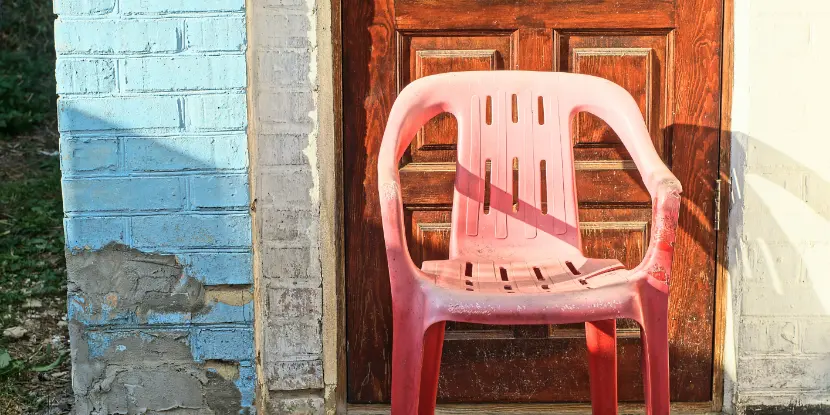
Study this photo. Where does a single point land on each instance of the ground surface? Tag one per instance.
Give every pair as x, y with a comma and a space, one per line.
34, 361
34, 375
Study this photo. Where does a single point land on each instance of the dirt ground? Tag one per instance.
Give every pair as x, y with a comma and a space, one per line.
34, 344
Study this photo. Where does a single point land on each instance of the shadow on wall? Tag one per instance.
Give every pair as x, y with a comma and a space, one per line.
779, 245
159, 259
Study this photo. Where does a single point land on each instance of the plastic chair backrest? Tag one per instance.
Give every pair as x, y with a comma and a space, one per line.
534, 221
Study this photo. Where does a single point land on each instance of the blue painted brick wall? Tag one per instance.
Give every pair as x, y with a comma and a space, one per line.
153, 119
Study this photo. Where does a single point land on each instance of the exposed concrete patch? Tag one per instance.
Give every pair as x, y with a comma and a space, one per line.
227, 370
118, 284
140, 372
228, 295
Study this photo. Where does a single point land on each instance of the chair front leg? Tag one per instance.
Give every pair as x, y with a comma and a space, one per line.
654, 332
407, 360
433, 345
601, 337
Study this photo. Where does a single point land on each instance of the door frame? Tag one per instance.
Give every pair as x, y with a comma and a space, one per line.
334, 319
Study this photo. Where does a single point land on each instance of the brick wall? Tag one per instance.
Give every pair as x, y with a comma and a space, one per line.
153, 118
285, 122
780, 222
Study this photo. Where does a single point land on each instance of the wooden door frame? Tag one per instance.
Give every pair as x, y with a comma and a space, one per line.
334, 321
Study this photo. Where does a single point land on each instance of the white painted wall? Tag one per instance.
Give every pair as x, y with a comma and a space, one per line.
779, 246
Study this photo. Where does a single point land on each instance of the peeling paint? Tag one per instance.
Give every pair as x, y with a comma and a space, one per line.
118, 284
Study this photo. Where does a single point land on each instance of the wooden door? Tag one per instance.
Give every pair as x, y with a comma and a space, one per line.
665, 52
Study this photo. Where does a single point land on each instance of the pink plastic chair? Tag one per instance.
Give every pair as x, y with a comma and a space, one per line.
523, 265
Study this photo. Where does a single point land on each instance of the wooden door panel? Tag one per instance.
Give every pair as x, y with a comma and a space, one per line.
555, 14
430, 54
638, 63
428, 234
664, 52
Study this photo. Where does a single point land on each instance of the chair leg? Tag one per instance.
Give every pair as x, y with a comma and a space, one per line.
655, 337
407, 360
433, 344
602, 363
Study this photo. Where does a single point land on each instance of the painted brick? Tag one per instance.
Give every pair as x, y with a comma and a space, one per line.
89, 155
289, 263
222, 331
816, 189
179, 6
95, 232
795, 373
221, 268
772, 263
186, 153
284, 30
118, 344
217, 112
297, 405
118, 113
282, 149
155, 317
786, 188
299, 375
282, 3
191, 231
284, 67
222, 344
117, 36
287, 106
85, 76
786, 300
287, 187
247, 385
294, 338
761, 336
287, 226
225, 313
295, 302
817, 267
215, 34
208, 192
128, 194
815, 337
83, 7
178, 73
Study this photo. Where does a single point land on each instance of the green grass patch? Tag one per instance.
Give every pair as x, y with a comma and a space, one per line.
27, 65
31, 234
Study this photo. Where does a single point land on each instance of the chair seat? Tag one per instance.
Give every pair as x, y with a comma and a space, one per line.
542, 277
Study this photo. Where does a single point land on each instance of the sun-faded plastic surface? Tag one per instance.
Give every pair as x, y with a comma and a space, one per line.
521, 263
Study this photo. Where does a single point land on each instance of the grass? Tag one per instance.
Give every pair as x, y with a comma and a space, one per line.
31, 235
33, 369
27, 65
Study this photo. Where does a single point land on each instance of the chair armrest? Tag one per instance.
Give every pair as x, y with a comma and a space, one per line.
616, 107
657, 261
416, 104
